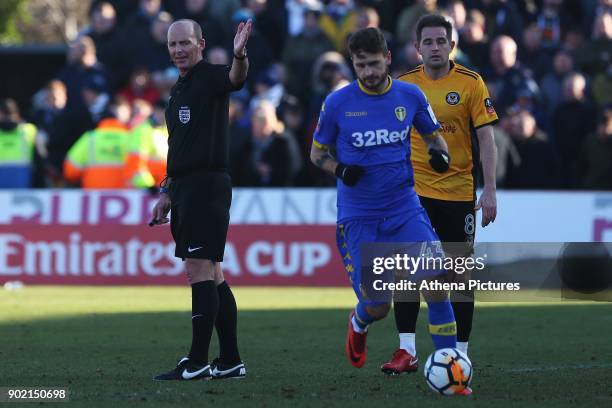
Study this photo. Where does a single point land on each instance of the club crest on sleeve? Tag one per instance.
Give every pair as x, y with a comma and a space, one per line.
452, 98
400, 113
184, 114
489, 105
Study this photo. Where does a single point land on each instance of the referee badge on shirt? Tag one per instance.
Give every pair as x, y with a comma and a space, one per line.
452, 98
400, 113
184, 114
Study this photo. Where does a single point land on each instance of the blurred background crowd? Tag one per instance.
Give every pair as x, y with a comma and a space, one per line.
100, 122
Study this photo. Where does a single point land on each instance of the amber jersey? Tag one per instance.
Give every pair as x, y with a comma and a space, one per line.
461, 102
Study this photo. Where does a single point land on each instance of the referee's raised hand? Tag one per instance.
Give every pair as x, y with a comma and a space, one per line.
242, 36
161, 210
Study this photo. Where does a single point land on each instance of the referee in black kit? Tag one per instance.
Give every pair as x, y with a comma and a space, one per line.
198, 190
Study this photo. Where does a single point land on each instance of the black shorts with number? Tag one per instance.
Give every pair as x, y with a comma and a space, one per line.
454, 222
199, 215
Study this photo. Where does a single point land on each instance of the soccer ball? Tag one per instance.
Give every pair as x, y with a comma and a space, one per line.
448, 371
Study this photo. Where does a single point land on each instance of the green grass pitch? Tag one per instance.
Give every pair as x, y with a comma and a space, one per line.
105, 345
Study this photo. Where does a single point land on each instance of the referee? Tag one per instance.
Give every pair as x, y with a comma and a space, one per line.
198, 191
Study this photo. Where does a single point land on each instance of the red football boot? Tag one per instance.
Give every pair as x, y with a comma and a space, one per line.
402, 362
466, 391
355, 344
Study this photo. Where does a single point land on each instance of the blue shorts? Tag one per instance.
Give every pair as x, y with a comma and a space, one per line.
352, 234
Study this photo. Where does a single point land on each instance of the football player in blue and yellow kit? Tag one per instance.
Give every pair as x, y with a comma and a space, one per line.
367, 124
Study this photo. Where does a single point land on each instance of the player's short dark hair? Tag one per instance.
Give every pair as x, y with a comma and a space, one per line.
370, 40
434, 20
197, 30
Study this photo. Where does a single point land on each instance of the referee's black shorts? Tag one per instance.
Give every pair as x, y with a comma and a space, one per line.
200, 214
454, 222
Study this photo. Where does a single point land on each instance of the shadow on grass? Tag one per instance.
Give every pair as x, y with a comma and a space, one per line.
296, 357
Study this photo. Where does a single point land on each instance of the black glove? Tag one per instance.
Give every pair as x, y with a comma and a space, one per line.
440, 160
349, 175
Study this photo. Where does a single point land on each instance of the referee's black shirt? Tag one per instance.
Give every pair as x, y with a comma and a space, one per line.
197, 120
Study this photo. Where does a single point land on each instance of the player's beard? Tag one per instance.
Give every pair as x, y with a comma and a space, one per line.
375, 85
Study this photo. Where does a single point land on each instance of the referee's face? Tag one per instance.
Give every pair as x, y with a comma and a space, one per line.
185, 50
435, 47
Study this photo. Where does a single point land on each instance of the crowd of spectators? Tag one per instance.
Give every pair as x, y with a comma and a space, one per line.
547, 64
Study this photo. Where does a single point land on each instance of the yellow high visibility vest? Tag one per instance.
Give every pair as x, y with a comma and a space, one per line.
17, 145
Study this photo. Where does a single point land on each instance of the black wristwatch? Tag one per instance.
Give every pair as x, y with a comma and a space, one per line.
243, 56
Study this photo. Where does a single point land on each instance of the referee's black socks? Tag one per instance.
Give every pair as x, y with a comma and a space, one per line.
226, 325
204, 309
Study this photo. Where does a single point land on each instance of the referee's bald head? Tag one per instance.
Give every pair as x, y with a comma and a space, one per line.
197, 30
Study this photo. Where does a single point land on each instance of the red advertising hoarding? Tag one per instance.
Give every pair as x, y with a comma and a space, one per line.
139, 255
276, 237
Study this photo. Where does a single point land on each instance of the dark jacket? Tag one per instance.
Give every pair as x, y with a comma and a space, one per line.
594, 164
274, 152
538, 167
